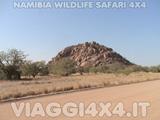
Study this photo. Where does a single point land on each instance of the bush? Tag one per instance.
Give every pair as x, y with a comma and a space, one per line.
35, 68
111, 68
11, 62
155, 69
117, 68
114, 68
63, 67
134, 68
2, 75
80, 70
93, 70
86, 69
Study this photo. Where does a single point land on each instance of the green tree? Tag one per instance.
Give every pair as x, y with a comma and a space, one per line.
63, 67
2, 74
11, 62
35, 68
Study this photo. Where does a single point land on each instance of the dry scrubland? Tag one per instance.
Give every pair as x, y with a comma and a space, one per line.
52, 84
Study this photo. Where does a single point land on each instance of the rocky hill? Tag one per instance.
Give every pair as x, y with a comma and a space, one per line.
91, 54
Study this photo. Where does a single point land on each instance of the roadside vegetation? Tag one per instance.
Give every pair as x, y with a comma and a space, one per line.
32, 69
66, 67
14, 66
63, 67
38, 77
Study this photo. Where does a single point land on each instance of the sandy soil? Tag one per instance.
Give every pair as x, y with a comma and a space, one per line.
128, 94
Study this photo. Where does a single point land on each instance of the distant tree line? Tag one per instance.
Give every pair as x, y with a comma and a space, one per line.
66, 67
13, 65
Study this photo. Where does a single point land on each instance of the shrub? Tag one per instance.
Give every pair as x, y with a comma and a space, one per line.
114, 68
86, 69
117, 68
80, 70
93, 70
11, 62
134, 68
63, 67
34, 68
2, 75
155, 69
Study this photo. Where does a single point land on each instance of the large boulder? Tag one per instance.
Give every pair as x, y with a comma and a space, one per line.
91, 54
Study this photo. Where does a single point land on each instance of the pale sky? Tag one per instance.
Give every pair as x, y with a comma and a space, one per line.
42, 33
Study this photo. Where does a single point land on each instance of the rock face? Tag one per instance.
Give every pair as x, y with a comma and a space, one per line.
91, 54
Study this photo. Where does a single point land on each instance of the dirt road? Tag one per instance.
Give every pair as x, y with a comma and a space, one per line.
128, 94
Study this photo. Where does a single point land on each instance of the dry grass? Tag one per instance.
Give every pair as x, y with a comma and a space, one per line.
45, 85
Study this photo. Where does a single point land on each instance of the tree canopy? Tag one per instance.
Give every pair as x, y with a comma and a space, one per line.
11, 62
